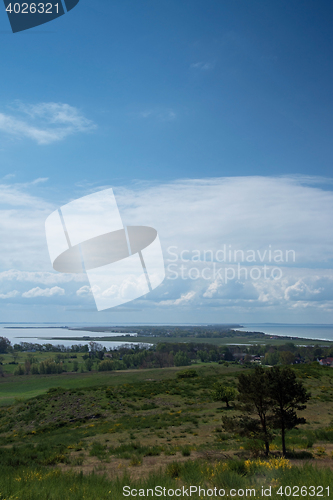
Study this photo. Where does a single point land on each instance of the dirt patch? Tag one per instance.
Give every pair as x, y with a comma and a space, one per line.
116, 467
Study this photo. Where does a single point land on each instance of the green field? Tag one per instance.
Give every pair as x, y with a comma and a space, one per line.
86, 435
23, 387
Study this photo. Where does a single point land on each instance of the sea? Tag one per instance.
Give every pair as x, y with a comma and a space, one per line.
304, 331
45, 333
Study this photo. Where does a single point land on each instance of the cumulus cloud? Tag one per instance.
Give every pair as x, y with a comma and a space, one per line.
9, 295
43, 292
84, 291
262, 214
203, 66
22, 218
234, 289
45, 122
310, 288
247, 213
184, 299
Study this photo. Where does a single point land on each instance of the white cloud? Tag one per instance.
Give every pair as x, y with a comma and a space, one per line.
203, 66
312, 288
213, 289
258, 213
22, 218
9, 295
40, 180
46, 278
234, 289
244, 212
84, 291
44, 123
184, 299
43, 292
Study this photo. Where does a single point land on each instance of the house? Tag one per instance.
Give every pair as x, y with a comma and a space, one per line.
326, 361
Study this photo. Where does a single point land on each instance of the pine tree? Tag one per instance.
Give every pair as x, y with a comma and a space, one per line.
255, 403
287, 395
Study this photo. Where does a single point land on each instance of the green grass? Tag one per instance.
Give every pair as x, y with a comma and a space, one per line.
133, 417
52, 484
25, 387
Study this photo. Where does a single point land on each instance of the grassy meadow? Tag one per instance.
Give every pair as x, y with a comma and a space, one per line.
87, 435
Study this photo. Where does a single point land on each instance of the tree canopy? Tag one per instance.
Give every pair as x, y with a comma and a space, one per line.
287, 395
224, 393
4, 344
269, 399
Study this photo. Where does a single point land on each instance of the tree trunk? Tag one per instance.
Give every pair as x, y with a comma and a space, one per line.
283, 437
263, 423
266, 448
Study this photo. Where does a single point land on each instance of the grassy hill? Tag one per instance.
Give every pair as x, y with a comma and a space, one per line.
84, 435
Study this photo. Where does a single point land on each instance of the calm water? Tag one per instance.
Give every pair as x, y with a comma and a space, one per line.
320, 332
41, 334
38, 334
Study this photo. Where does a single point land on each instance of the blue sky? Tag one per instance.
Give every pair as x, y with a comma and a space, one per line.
147, 97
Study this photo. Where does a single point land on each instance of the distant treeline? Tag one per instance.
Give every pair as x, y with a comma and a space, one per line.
207, 331
31, 347
204, 333
94, 356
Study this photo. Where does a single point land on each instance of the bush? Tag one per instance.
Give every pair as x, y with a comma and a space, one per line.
52, 390
174, 469
224, 393
19, 370
34, 369
135, 460
49, 367
255, 446
187, 374
106, 365
88, 364
186, 451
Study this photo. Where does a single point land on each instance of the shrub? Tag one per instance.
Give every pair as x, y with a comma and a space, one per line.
186, 451
135, 460
49, 367
105, 365
34, 369
174, 469
187, 374
88, 364
255, 446
224, 393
